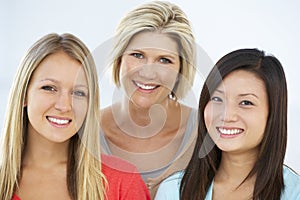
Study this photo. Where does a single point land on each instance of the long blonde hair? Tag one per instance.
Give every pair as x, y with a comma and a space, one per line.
84, 177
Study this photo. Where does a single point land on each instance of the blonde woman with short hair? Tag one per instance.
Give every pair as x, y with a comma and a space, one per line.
153, 61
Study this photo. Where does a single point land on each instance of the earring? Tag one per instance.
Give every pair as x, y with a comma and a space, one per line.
172, 96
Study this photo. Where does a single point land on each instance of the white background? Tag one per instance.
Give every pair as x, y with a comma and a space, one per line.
219, 26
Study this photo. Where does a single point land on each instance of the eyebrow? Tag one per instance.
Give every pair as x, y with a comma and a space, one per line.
242, 95
249, 94
49, 79
55, 81
169, 54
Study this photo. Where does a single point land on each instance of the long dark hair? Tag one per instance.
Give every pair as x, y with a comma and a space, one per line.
268, 167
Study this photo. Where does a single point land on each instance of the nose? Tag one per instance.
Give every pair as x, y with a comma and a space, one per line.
148, 71
229, 113
64, 102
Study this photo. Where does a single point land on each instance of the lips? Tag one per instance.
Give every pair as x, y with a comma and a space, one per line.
59, 121
229, 132
147, 87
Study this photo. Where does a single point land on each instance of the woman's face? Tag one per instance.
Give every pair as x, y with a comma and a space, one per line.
149, 68
237, 112
57, 98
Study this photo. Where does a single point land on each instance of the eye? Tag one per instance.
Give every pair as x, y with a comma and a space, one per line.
216, 99
137, 55
165, 60
79, 93
246, 103
48, 88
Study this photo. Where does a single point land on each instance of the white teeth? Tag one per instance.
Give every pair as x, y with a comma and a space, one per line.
58, 121
145, 87
230, 131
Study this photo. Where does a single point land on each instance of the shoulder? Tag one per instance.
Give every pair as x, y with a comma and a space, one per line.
291, 184
124, 180
109, 128
106, 115
169, 188
15, 197
174, 178
291, 178
106, 110
117, 165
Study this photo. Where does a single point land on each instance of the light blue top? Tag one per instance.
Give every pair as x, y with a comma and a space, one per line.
169, 188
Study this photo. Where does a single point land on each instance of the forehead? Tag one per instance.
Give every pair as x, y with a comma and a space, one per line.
243, 81
60, 66
153, 40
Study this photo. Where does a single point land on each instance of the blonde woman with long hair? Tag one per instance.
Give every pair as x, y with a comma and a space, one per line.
50, 139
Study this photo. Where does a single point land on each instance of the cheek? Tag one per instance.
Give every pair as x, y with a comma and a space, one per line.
208, 116
127, 66
36, 110
259, 124
80, 111
126, 72
36, 102
168, 76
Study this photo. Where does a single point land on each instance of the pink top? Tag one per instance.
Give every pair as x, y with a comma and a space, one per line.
124, 181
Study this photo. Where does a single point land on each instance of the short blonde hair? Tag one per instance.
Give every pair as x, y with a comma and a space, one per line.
85, 179
163, 17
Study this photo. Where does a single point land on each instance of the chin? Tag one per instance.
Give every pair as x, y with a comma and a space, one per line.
142, 105
142, 102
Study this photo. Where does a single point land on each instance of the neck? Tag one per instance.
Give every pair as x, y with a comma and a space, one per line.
144, 115
147, 122
235, 167
43, 153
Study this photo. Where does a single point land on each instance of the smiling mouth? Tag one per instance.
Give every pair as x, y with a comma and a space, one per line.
59, 121
148, 87
230, 131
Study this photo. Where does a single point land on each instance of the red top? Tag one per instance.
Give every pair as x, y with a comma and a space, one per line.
124, 181
15, 197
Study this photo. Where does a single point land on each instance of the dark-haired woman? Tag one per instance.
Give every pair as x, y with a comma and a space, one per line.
242, 135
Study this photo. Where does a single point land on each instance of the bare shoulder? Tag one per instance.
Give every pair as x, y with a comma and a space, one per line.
107, 121
106, 113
